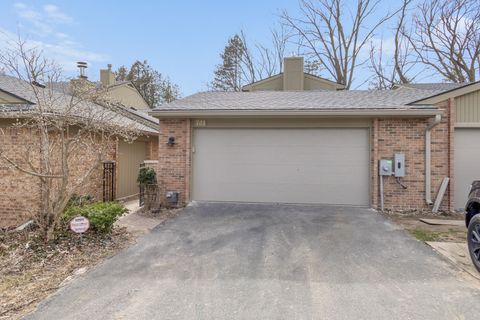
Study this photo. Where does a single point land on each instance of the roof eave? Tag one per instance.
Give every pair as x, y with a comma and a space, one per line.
452, 93
368, 113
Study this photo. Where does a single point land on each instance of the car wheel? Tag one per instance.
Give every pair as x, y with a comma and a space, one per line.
473, 240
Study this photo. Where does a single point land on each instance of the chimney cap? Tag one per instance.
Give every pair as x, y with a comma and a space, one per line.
82, 66
109, 66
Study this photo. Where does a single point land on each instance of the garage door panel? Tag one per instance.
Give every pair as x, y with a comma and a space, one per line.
467, 163
282, 165
265, 192
286, 174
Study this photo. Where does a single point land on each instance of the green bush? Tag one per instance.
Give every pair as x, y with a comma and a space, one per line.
102, 215
146, 175
80, 200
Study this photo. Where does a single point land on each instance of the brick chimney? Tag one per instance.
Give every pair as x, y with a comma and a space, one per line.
107, 77
293, 74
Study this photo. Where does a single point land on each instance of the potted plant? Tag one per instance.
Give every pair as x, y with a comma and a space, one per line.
147, 181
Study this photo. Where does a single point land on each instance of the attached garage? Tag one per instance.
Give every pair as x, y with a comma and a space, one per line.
467, 162
286, 165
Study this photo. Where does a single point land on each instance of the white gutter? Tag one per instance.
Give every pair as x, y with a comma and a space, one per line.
428, 158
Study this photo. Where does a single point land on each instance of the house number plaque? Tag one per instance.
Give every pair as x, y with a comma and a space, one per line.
200, 123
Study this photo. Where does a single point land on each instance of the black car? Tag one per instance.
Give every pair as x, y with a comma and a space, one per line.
472, 220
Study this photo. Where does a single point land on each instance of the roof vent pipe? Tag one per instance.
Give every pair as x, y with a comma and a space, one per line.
428, 158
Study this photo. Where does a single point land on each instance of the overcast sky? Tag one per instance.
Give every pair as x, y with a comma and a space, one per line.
181, 39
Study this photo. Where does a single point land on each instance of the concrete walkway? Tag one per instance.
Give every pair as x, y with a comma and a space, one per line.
137, 223
259, 261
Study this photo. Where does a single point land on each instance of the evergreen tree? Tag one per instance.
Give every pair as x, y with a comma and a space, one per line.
153, 87
229, 75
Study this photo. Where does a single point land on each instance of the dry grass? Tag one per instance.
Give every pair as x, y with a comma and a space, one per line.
411, 222
30, 270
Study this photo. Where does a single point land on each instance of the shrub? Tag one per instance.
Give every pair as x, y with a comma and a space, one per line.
80, 200
102, 215
146, 175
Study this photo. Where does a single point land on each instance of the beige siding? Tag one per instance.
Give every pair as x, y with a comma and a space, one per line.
128, 96
130, 156
311, 83
272, 84
468, 108
282, 123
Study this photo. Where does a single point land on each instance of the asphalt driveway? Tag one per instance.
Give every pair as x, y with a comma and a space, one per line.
265, 261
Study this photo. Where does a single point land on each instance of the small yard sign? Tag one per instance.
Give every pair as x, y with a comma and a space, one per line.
79, 224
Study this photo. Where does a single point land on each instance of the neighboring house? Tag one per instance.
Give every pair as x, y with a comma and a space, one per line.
20, 194
123, 91
321, 146
293, 78
130, 155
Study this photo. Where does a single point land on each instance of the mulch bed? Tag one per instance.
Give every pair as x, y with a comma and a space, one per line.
30, 269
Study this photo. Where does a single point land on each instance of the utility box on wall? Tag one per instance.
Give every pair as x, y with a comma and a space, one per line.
172, 198
385, 167
399, 165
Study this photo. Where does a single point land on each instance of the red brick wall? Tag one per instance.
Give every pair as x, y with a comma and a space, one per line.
19, 192
390, 136
152, 148
174, 162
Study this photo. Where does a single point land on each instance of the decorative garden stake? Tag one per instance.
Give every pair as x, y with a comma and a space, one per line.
79, 224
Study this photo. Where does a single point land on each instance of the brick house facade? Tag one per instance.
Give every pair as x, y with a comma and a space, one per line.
20, 196
407, 136
388, 135
337, 138
20, 192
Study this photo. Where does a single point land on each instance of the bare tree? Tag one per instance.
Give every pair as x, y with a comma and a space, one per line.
393, 71
332, 36
270, 58
72, 133
446, 38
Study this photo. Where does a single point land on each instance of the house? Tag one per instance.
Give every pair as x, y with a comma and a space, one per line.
291, 144
293, 78
20, 194
130, 155
123, 91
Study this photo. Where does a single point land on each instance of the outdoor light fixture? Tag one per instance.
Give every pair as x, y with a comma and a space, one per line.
171, 141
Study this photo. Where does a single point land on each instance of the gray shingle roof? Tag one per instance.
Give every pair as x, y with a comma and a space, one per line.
434, 86
301, 100
61, 100
5, 107
65, 87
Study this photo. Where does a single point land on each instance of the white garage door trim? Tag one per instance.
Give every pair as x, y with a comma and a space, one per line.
466, 162
295, 179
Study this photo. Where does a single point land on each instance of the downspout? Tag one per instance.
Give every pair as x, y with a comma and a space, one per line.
428, 158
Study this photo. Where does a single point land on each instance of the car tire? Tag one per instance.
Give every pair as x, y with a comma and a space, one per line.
473, 240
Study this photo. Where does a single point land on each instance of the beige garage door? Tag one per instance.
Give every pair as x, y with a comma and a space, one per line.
329, 166
467, 163
130, 156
